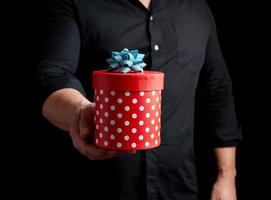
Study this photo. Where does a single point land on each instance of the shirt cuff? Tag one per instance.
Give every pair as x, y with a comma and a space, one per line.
232, 138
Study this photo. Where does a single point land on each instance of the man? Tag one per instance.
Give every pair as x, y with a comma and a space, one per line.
179, 38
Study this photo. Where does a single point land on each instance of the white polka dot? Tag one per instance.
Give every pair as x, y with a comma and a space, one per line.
119, 130
96, 141
113, 93
147, 129
159, 119
106, 99
112, 137
157, 113
159, 105
152, 121
152, 136
119, 145
101, 92
141, 137
141, 108
156, 128
112, 122
97, 126
133, 145
134, 101
113, 107
105, 143
148, 100
100, 135
148, 115
159, 133
119, 115
153, 92
134, 115
127, 94
141, 123
157, 99
97, 112
106, 129
147, 144
127, 108
97, 98
156, 142
153, 107
134, 130
126, 123
141, 93
101, 120
106, 114
101, 106
159, 91
119, 100
126, 137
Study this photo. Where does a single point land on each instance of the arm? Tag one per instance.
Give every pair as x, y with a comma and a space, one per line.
226, 162
69, 110
61, 107
63, 97
217, 107
224, 187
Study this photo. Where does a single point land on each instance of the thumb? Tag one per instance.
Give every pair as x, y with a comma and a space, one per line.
86, 122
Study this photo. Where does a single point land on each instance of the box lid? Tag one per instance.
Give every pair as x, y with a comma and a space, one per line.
132, 81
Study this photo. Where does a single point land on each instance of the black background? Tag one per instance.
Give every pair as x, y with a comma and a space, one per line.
39, 163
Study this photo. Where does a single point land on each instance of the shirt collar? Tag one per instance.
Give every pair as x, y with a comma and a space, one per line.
157, 5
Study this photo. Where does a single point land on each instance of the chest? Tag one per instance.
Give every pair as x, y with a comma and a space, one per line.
180, 30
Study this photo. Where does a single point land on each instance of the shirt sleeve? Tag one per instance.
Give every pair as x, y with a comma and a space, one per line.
58, 62
215, 97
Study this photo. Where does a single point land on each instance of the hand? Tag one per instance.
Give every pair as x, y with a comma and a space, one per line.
224, 188
82, 131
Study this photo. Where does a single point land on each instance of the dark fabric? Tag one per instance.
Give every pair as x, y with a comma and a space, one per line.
82, 34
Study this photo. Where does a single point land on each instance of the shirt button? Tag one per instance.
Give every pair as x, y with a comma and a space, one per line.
151, 18
156, 47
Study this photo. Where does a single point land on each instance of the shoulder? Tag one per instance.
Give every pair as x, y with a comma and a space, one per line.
63, 7
199, 7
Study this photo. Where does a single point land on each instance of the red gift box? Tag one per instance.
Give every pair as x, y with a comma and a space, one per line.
127, 109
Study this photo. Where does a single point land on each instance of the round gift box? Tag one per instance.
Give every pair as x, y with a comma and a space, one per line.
127, 109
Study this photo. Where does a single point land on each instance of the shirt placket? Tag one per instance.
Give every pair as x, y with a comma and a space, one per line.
156, 41
156, 56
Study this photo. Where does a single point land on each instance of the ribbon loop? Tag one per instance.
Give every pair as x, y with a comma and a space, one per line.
125, 61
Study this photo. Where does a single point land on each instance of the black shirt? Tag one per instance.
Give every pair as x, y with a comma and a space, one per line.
179, 38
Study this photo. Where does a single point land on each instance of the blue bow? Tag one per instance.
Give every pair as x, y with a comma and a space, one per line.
126, 61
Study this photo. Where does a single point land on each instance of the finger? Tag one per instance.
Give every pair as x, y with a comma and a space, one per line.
77, 143
86, 123
86, 134
74, 132
102, 157
96, 152
131, 151
105, 154
123, 153
112, 153
74, 129
214, 197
